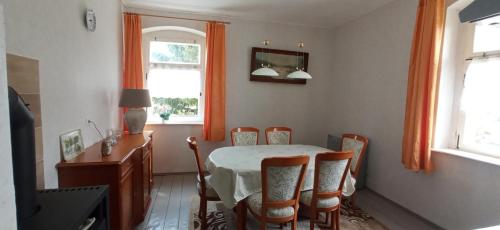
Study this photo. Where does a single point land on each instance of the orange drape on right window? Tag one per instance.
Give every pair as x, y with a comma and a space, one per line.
423, 81
214, 122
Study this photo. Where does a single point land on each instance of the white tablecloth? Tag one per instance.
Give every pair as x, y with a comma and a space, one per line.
235, 171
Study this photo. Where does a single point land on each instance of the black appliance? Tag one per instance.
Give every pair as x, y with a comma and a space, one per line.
51, 209
23, 157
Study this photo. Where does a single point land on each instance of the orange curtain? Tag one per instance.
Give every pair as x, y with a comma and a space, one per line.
215, 83
132, 63
423, 81
132, 54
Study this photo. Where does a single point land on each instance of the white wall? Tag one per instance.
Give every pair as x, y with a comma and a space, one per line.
7, 198
256, 104
80, 71
368, 91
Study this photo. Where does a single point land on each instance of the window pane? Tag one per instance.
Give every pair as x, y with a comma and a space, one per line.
174, 53
486, 38
176, 92
481, 131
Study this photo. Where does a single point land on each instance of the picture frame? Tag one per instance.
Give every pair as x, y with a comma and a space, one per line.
283, 61
71, 144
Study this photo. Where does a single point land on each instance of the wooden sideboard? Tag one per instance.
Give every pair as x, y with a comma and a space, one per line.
127, 171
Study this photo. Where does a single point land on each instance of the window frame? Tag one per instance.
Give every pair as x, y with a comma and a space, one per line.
177, 36
459, 116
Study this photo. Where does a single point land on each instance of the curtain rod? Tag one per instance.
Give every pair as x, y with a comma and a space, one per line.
483, 56
182, 18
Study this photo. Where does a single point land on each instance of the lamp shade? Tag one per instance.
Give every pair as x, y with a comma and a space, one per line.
135, 98
264, 71
299, 74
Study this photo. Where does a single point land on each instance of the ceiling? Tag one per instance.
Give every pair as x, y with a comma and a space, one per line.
317, 13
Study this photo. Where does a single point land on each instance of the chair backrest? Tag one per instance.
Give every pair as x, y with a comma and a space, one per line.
278, 136
244, 136
330, 171
357, 144
282, 179
193, 145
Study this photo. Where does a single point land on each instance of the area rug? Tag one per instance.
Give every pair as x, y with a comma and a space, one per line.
221, 218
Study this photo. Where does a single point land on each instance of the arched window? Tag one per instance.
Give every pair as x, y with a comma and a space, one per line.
174, 63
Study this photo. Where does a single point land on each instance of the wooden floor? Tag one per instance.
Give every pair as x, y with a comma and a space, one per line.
172, 194
170, 202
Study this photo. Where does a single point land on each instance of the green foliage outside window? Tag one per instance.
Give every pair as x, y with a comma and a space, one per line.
176, 106
165, 52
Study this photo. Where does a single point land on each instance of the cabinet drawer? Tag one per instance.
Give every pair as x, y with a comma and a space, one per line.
126, 165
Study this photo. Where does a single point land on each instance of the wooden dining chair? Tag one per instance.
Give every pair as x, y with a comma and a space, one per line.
205, 191
282, 179
330, 171
278, 136
242, 136
358, 145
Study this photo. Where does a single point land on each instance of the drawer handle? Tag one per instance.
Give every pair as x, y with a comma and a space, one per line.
87, 224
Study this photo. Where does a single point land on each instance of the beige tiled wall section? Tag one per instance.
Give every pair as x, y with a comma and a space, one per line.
22, 74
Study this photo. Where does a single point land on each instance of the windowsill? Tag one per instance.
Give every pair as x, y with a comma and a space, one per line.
469, 155
176, 123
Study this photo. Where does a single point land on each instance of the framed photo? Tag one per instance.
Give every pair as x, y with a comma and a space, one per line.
283, 61
71, 144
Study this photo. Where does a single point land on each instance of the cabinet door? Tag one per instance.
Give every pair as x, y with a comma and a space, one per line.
146, 175
126, 200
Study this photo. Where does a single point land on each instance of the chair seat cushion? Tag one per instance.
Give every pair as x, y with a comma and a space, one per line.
211, 193
306, 198
254, 202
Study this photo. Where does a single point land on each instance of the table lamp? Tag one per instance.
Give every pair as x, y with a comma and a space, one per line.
135, 100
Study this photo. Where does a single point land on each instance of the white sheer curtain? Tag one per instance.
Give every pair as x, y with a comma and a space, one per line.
480, 106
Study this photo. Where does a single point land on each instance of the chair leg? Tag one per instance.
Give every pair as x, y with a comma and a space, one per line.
337, 219
200, 208
327, 216
332, 217
351, 200
202, 213
312, 219
294, 223
241, 209
262, 225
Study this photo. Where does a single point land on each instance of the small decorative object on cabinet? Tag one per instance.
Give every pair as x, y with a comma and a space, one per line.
71, 144
127, 171
106, 143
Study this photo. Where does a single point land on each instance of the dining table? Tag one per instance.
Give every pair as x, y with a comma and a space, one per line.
235, 171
